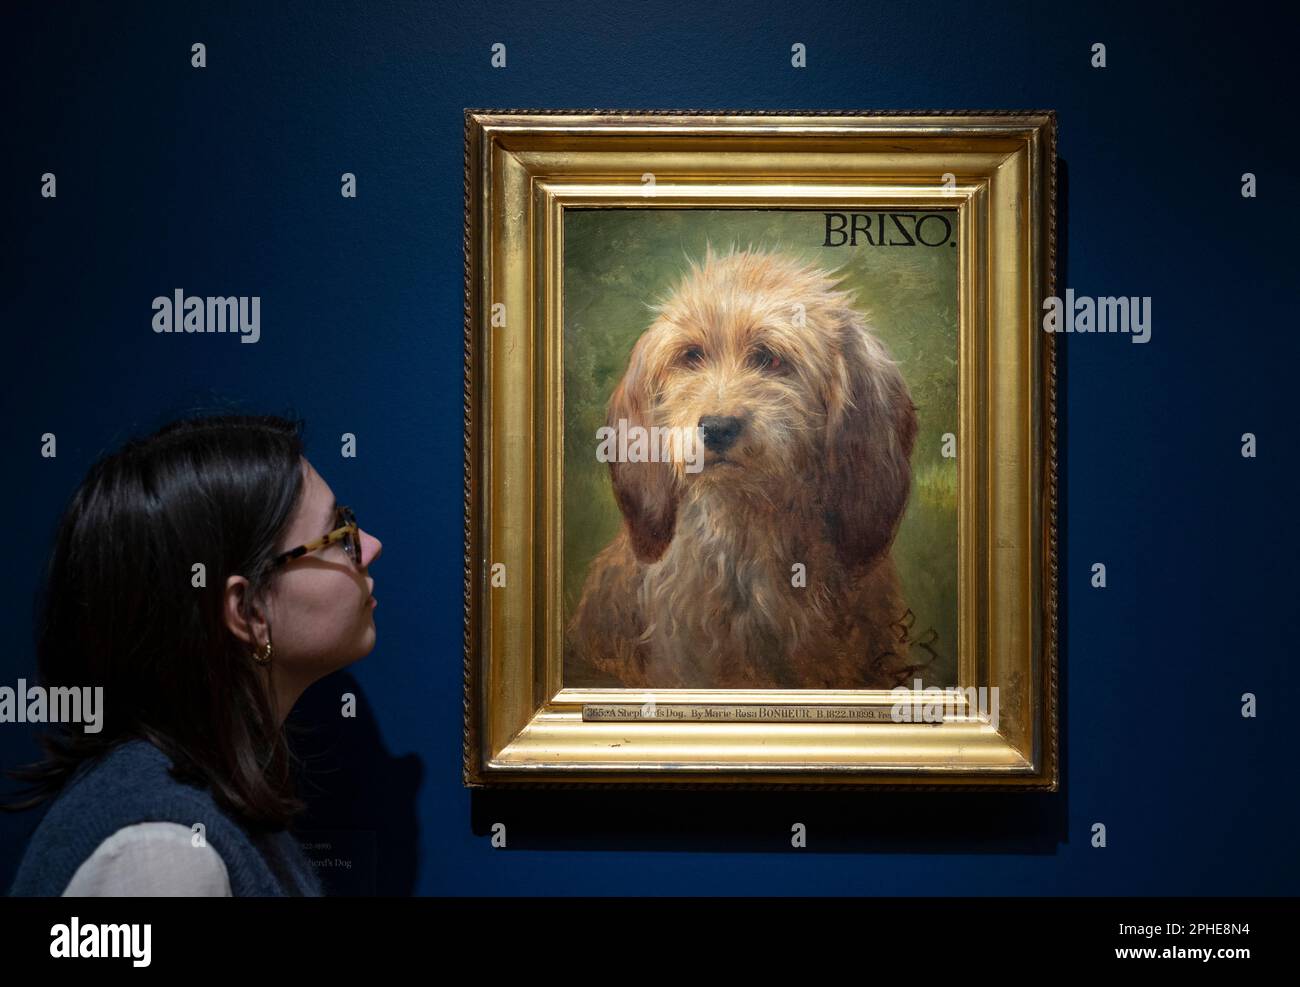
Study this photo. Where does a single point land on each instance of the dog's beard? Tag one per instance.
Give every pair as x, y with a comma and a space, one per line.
754, 477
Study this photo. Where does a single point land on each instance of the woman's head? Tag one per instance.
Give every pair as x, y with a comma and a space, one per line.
315, 614
163, 587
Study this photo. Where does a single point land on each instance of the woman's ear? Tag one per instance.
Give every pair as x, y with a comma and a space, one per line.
646, 492
243, 617
871, 427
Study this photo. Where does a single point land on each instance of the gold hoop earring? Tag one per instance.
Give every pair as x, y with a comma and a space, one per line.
265, 657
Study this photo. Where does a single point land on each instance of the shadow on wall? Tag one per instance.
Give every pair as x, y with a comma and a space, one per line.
351, 782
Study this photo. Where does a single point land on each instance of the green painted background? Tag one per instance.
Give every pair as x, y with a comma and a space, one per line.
618, 260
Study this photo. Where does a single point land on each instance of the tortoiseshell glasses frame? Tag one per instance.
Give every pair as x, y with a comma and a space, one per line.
347, 531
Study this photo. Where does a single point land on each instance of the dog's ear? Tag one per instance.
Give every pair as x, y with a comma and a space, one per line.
646, 492
871, 426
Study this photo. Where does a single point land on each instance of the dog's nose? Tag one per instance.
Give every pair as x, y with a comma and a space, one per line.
720, 433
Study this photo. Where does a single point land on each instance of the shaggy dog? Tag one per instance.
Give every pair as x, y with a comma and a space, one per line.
769, 567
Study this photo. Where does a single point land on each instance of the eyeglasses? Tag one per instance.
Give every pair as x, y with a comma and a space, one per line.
346, 531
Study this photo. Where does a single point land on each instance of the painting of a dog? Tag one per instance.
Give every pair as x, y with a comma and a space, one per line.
768, 565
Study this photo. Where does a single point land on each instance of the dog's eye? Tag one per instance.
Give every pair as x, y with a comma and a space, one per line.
692, 356
765, 359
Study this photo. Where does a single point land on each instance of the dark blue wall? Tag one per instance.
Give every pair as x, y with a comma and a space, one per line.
226, 180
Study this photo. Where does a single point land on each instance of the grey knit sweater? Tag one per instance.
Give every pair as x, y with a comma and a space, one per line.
132, 784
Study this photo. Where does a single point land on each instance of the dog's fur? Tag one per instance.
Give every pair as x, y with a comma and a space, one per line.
697, 590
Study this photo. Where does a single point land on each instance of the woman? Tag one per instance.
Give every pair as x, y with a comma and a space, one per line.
204, 577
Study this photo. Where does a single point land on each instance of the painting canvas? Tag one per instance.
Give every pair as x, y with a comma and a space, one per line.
759, 448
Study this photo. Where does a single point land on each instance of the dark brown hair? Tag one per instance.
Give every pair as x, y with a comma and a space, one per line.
118, 609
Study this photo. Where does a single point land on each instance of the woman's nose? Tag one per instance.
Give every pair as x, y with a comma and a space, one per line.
371, 547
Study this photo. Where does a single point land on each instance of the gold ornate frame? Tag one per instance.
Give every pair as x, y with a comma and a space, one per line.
523, 169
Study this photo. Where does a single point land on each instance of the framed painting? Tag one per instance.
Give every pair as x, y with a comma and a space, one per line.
760, 449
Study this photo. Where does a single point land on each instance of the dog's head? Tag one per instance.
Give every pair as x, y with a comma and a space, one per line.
764, 360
